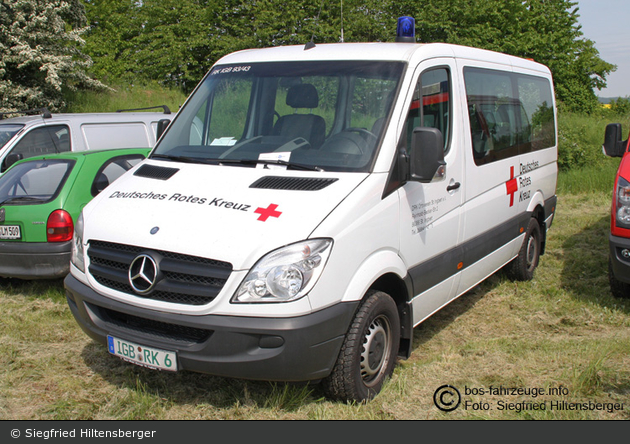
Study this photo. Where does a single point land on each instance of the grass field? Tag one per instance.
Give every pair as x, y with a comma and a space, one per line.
563, 331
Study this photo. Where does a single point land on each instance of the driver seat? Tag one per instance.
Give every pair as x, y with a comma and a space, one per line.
307, 126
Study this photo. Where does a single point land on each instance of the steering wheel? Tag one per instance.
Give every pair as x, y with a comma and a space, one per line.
368, 134
350, 141
370, 137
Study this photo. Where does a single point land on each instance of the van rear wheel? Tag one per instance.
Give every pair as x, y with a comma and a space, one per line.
368, 353
523, 266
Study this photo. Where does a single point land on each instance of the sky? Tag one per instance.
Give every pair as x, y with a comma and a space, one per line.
607, 23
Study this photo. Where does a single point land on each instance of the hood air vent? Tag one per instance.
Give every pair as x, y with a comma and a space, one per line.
292, 183
155, 172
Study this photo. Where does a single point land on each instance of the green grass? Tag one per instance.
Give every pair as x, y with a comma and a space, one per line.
124, 97
589, 179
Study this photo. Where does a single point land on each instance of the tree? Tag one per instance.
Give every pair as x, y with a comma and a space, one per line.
546, 31
176, 42
40, 53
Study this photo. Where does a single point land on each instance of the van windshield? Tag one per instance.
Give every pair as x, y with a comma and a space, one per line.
302, 115
7, 131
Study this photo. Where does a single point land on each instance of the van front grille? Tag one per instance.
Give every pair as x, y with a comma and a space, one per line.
150, 327
180, 279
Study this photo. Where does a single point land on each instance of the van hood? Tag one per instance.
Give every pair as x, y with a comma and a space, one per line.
228, 213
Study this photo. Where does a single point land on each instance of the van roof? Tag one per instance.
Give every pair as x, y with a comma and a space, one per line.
87, 118
374, 51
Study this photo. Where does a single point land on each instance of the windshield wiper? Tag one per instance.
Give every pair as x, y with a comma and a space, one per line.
22, 199
297, 166
185, 159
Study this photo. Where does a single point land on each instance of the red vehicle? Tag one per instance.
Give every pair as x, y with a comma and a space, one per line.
619, 240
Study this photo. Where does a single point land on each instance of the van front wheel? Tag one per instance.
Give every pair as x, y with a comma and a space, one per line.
523, 266
368, 353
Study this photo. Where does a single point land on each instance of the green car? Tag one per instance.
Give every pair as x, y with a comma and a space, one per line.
41, 198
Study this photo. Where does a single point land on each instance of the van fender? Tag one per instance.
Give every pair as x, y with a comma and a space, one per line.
537, 200
373, 267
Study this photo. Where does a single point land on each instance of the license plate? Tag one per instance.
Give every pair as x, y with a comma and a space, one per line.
139, 354
9, 231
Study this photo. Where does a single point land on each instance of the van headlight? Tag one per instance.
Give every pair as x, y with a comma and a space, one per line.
286, 274
77, 245
623, 203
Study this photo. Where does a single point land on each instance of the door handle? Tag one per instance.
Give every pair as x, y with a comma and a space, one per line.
453, 186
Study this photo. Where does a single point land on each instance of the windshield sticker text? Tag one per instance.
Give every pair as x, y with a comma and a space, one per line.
230, 69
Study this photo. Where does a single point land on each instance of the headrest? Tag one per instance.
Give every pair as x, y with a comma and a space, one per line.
303, 95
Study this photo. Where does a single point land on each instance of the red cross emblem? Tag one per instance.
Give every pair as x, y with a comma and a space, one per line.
511, 186
266, 213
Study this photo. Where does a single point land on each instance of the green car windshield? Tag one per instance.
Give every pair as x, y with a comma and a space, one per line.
303, 115
33, 182
7, 131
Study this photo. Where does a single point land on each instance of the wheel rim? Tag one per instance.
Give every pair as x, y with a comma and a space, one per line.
376, 350
532, 252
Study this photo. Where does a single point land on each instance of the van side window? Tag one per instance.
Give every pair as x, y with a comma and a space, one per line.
510, 114
44, 140
430, 106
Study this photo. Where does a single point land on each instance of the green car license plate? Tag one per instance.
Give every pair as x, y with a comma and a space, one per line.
9, 231
139, 354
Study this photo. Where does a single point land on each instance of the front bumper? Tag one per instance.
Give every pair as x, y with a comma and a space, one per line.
35, 260
300, 348
620, 263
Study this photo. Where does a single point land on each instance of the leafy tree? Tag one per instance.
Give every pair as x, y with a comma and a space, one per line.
544, 30
40, 53
176, 42
620, 106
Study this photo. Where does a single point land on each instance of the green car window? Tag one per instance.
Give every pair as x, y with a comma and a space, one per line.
113, 169
37, 181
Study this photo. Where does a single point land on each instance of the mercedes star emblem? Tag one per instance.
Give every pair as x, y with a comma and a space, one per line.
143, 273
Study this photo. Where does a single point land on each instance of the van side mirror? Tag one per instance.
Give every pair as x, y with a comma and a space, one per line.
11, 159
613, 146
161, 127
427, 154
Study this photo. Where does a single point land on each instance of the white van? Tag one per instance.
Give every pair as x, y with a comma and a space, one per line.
46, 133
308, 207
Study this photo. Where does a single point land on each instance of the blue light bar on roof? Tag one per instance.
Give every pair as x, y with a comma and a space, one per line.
406, 30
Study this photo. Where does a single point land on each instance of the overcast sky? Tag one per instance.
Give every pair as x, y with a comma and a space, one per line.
607, 23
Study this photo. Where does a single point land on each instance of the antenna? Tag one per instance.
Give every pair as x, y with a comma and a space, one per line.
311, 44
341, 21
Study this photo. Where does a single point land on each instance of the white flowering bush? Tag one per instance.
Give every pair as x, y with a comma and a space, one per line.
40, 53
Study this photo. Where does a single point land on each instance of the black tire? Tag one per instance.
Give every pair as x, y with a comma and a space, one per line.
523, 266
617, 288
368, 353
